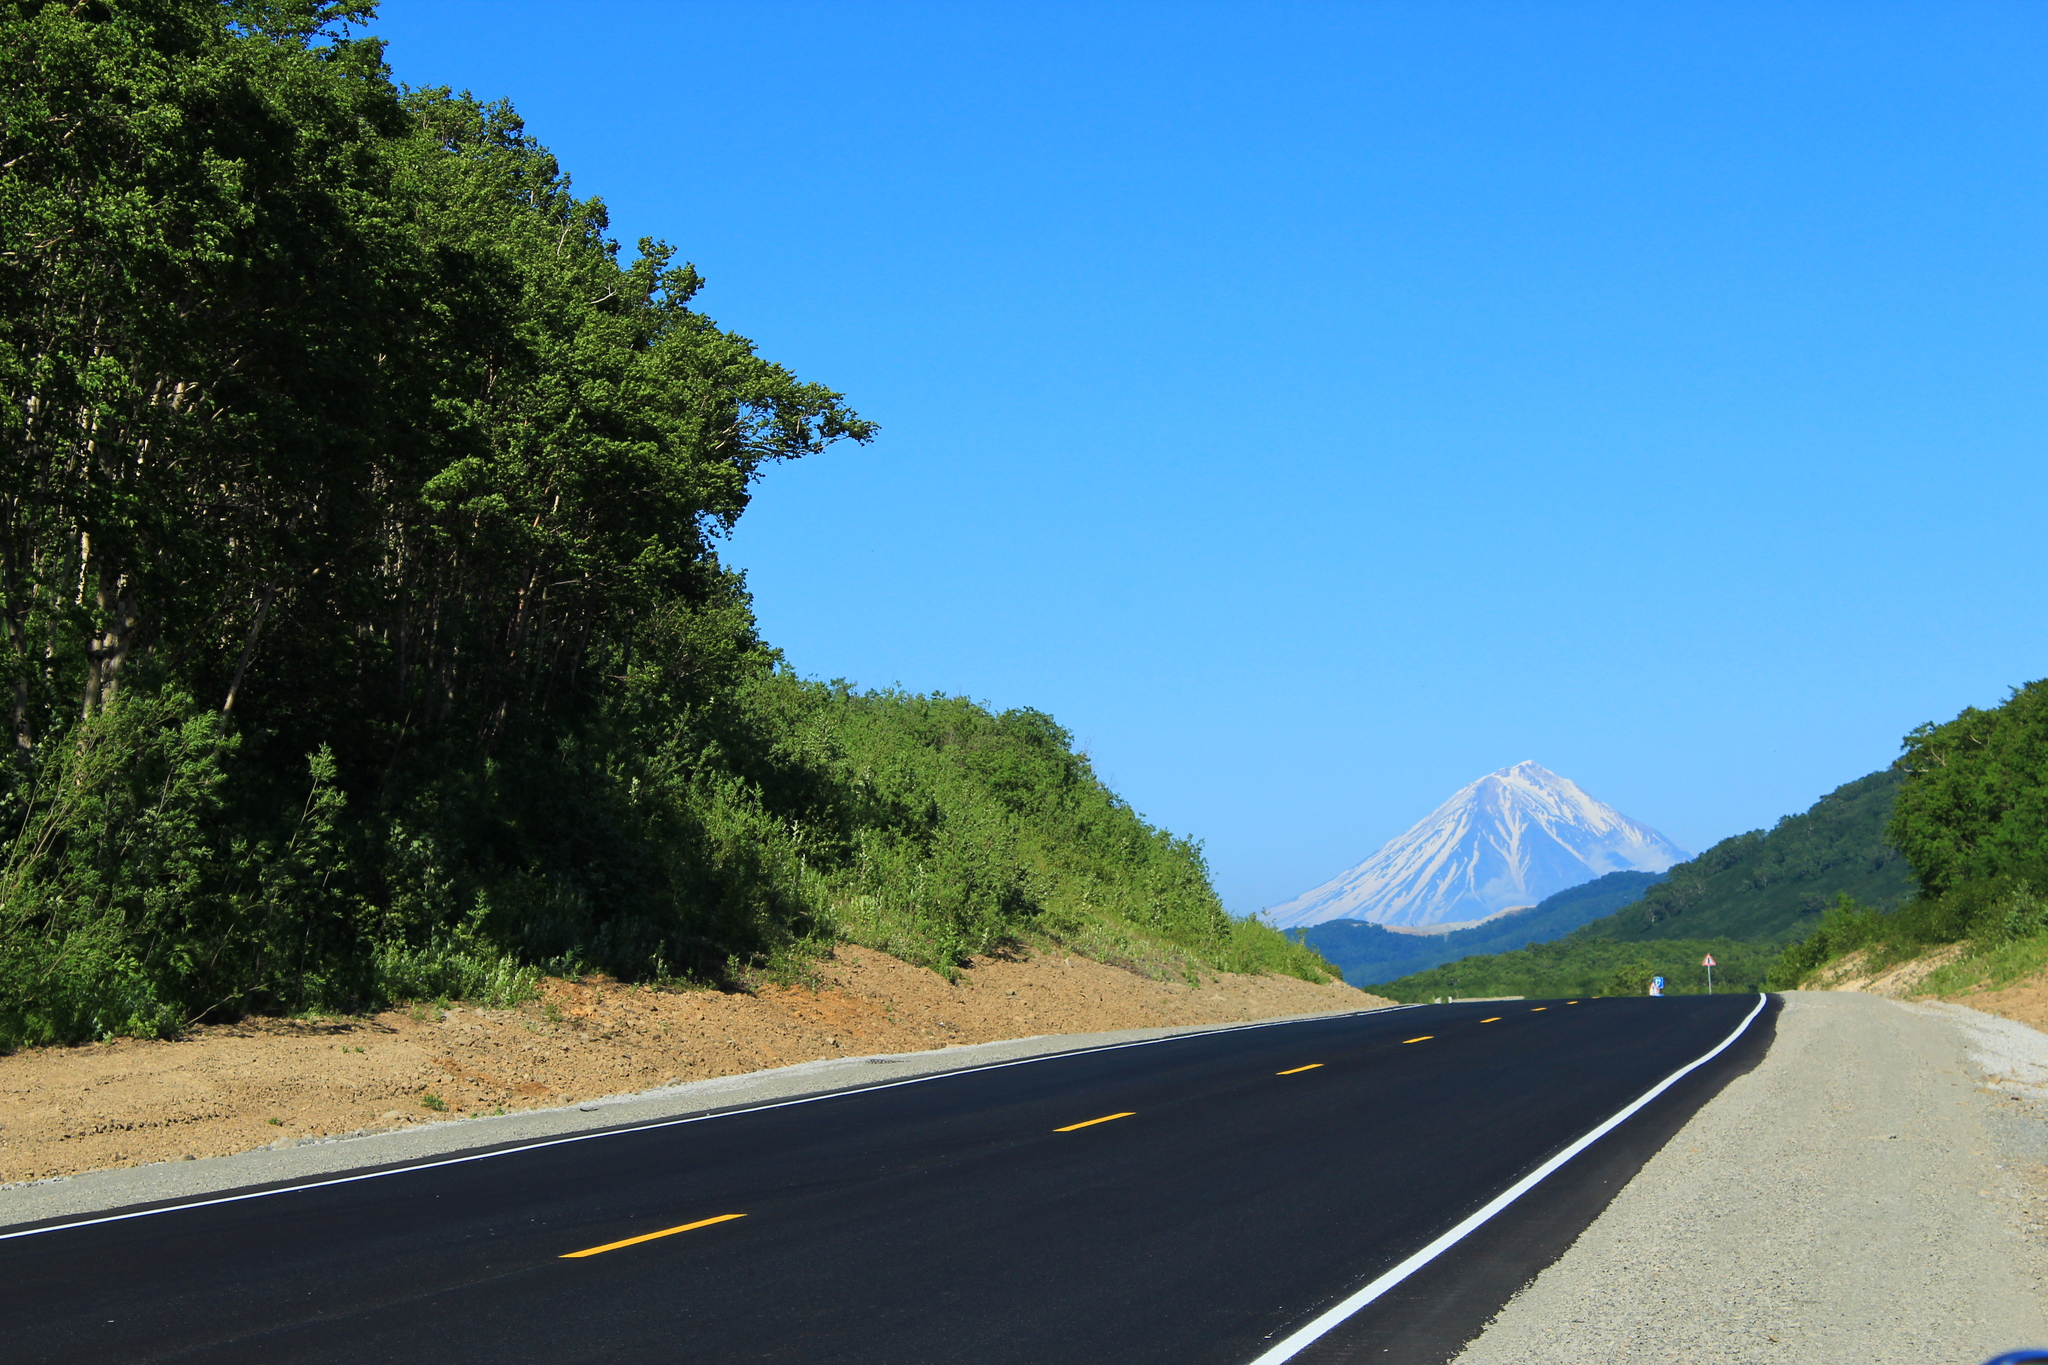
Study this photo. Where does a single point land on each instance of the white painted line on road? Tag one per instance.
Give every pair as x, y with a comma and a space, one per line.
1302, 1339
676, 1123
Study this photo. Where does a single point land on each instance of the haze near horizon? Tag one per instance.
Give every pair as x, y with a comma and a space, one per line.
1312, 407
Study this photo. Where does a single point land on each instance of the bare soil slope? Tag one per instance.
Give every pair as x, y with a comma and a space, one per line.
2024, 1000
271, 1081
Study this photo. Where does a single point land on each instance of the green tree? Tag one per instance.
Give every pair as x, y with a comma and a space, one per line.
1975, 805
364, 620
1632, 978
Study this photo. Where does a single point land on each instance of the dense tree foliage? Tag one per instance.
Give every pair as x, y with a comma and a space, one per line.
364, 627
1975, 807
1774, 884
1972, 820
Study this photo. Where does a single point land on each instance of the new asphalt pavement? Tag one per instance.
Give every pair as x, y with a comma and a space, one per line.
1355, 1187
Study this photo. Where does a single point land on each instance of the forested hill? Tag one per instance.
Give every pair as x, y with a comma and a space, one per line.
1740, 901
365, 633
1367, 953
1772, 885
1766, 886
1972, 819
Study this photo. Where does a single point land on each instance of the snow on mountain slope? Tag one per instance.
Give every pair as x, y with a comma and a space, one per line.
1509, 839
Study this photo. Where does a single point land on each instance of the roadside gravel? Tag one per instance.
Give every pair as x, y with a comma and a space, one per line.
1872, 1192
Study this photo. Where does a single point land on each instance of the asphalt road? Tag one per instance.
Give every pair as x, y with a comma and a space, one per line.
1195, 1199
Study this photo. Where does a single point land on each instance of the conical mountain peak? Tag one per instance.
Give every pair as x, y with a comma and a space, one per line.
1504, 840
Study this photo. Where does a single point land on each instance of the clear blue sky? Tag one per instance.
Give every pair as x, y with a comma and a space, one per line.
1317, 406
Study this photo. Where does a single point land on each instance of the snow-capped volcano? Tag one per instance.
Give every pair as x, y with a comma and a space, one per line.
1509, 839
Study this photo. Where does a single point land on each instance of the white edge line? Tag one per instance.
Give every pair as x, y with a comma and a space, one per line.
676, 1122
1307, 1336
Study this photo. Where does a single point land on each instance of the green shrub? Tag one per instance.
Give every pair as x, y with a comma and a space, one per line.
1987, 913
366, 632
455, 964
1631, 978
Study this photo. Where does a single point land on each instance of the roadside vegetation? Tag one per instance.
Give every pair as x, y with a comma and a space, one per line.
1775, 884
365, 635
1972, 820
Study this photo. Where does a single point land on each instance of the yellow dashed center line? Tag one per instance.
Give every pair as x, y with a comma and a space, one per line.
650, 1236
1494, 1020
1539, 1009
1092, 1122
1423, 1039
1571, 1002
1310, 1067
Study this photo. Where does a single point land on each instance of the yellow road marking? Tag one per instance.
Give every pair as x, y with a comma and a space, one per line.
1539, 1009
1494, 1020
1571, 1002
1423, 1039
650, 1236
1310, 1067
1092, 1122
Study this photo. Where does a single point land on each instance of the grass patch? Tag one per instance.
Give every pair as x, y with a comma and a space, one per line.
1991, 915
1989, 968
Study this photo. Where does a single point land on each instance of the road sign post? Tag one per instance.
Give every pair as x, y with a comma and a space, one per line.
1708, 963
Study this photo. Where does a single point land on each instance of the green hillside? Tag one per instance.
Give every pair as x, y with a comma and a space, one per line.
1367, 953
1772, 885
1972, 820
1741, 900
363, 629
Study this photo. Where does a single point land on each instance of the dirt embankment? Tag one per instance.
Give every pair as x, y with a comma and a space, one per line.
270, 1082
2025, 1000
1852, 972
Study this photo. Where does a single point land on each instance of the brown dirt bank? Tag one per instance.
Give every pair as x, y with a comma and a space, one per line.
2024, 1001
235, 1087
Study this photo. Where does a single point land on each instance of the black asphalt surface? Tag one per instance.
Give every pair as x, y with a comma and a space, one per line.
943, 1220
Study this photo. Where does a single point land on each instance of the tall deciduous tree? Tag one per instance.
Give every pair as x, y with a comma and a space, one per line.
364, 626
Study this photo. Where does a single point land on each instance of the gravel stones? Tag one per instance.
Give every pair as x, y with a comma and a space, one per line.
1860, 1196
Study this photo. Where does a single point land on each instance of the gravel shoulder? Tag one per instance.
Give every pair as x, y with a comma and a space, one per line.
1873, 1191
